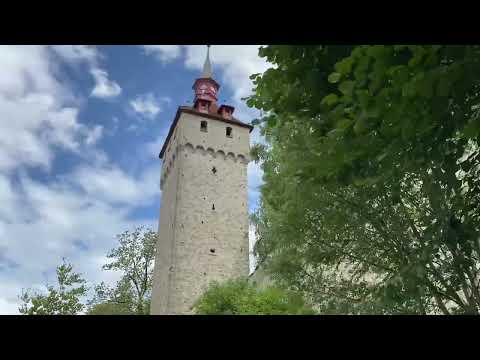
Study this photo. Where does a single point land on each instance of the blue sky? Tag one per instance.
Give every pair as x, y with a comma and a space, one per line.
80, 132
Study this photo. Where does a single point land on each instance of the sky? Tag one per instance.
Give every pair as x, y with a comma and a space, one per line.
80, 132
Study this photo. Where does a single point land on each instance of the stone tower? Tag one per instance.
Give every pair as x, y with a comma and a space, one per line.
203, 229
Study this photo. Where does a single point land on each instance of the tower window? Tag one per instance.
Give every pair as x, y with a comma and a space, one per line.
212, 251
213, 207
229, 132
214, 170
203, 126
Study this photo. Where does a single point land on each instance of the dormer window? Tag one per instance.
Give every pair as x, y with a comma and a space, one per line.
203, 126
226, 111
229, 132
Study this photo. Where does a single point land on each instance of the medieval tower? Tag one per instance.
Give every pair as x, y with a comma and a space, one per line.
203, 228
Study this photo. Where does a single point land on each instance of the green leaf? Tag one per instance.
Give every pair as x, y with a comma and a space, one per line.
376, 50
344, 123
346, 87
330, 100
344, 66
363, 98
334, 77
360, 125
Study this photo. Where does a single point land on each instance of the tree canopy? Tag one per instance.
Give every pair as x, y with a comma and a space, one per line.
63, 299
133, 258
371, 201
240, 297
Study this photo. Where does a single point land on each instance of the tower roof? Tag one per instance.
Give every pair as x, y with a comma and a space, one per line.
205, 87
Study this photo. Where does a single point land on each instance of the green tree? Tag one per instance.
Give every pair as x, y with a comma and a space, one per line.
63, 299
371, 196
108, 308
239, 297
134, 258
117, 300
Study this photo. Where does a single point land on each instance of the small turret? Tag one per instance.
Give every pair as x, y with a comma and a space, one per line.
206, 89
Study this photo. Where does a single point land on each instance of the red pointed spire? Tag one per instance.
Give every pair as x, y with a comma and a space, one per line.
206, 88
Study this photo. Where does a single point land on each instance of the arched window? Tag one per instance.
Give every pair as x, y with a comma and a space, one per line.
203, 126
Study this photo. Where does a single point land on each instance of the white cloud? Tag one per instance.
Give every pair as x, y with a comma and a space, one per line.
8, 306
251, 242
8, 199
255, 181
255, 174
148, 106
39, 112
104, 88
113, 185
75, 214
76, 54
94, 135
163, 53
26, 67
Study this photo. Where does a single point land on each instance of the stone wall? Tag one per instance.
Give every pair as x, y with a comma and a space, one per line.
203, 233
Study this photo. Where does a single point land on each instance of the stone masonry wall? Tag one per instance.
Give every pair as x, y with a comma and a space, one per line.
203, 233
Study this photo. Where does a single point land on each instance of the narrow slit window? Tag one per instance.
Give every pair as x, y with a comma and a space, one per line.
229, 132
203, 126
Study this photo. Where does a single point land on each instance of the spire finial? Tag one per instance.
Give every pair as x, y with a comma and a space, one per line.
207, 67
